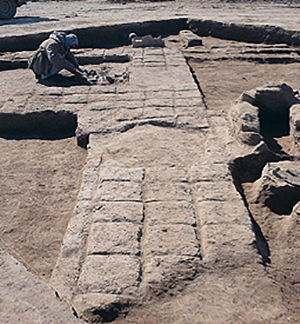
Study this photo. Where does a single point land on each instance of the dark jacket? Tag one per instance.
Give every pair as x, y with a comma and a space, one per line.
52, 52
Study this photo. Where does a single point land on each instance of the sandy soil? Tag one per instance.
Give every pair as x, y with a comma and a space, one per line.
40, 181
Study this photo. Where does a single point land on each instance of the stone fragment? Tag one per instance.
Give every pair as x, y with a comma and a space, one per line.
278, 187
246, 123
245, 117
295, 117
272, 103
250, 138
189, 39
247, 96
274, 96
295, 123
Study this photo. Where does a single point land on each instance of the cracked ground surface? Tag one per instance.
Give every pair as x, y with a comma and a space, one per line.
151, 228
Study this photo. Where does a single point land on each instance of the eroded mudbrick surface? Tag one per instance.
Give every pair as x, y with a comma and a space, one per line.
178, 216
154, 215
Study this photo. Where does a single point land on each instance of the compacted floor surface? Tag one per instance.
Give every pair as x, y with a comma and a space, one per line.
41, 179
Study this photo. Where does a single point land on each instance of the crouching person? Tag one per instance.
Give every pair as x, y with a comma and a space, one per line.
53, 55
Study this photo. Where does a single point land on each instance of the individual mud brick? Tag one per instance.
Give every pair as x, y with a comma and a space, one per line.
100, 105
180, 72
184, 87
132, 95
75, 98
158, 112
119, 212
186, 95
112, 274
165, 191
175, 212
45, 102
95, 122
108, 238
216, 191
153, 51
118, 191
194, 111
223, 212
114, 173
99, 308
129, 115
78, 90
209, 172
194, 122
230, 243
164, 92
153, 57
130, 105
159, 271
155, 63
190, 102
86, 192
147, 76
159, 102
170, 239
166, 174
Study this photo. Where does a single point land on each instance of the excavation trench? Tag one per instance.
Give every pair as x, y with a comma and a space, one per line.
46, 125
49, 125
41, 171
117, 35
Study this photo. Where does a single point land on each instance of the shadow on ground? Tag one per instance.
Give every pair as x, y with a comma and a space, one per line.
59, 80
24, 20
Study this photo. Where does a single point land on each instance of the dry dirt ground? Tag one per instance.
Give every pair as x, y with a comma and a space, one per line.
40, 181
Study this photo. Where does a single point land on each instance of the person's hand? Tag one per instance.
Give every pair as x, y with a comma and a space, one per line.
78, 72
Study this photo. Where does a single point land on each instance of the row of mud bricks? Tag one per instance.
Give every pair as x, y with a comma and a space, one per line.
150, 228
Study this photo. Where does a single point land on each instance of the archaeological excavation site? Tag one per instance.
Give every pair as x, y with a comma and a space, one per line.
164, 186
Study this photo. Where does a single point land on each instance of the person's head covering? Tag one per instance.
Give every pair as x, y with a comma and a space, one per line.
71, 40
132, 36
